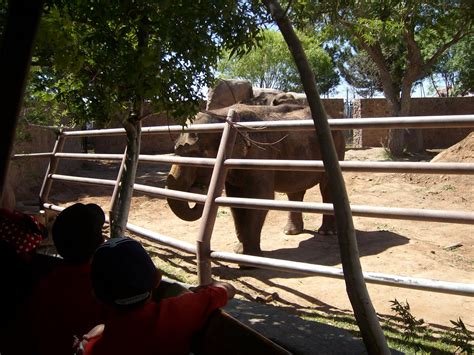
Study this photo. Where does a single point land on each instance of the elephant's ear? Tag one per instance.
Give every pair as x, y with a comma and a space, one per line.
242, 145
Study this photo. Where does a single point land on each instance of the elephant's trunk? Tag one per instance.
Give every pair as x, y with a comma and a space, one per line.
182, 179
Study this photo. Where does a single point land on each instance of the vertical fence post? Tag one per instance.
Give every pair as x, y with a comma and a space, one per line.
52, 166
116, 188
203, 243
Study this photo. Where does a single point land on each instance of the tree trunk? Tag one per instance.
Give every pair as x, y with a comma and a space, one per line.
396, 142
414, 141
364, 312
121, 205
413, 137
396, 137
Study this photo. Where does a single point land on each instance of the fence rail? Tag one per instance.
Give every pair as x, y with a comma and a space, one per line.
453, 121
412, 214
298, 165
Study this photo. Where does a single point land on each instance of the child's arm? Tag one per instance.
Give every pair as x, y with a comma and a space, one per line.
227, 286
230, 290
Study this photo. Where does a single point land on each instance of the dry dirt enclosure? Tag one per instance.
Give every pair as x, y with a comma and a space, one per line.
429, 250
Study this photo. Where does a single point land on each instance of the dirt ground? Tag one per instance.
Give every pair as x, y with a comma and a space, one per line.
418, 249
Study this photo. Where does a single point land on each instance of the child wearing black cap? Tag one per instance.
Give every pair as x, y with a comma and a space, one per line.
123, 278
62, 304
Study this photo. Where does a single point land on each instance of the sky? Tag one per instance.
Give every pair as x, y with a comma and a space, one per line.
344, 91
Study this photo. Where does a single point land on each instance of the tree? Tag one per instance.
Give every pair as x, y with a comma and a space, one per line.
393, 34
104, 60
358, 70
463, 63
366, 317
455, 71
270, 65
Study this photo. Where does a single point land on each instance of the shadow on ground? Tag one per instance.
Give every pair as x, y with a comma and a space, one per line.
324, 249
293, 333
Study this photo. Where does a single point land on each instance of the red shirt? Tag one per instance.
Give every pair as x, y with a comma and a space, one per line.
158, 328
63, 305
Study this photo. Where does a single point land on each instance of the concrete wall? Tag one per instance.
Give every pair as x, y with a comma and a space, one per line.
433, 138
150, 144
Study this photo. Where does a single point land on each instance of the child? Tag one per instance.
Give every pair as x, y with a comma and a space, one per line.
123, 278
20, 235
62, 304
16, 281
22, 231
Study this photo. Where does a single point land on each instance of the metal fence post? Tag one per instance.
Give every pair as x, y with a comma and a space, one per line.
52, 166
203, 242
116, 189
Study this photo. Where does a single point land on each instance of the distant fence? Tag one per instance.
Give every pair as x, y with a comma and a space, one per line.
221, 165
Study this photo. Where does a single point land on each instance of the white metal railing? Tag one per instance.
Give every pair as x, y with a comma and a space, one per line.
452, 121
203, 247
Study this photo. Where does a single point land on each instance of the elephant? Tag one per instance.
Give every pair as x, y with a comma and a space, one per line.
254, 144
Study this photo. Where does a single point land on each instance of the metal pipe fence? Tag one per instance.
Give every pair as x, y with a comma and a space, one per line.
299, 267
282, 265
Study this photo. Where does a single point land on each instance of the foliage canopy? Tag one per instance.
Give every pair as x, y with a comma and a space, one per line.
101, 59
404, 39
270, 64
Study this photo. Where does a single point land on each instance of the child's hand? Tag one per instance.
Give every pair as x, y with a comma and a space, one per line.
95, 332
80, 345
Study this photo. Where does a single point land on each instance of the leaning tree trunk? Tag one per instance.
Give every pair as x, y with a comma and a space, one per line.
121, 204
366, 317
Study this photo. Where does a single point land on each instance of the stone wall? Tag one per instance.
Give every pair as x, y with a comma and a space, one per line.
334, 107
26, 174
433, 138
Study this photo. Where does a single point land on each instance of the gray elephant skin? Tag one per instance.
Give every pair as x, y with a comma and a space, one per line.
255, 144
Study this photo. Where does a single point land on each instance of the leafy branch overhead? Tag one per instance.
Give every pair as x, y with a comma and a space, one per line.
99, 59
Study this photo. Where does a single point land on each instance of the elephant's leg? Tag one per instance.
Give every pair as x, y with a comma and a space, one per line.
295, 224
248, 226
248, 222
328, 227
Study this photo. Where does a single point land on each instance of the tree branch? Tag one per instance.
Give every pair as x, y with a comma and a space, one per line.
456, 38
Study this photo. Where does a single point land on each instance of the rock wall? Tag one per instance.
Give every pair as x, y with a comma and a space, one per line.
433, 138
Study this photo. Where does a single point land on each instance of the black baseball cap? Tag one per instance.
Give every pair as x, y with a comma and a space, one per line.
122, 272
77, 231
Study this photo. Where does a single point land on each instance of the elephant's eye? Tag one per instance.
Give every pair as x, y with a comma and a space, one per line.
192, 138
